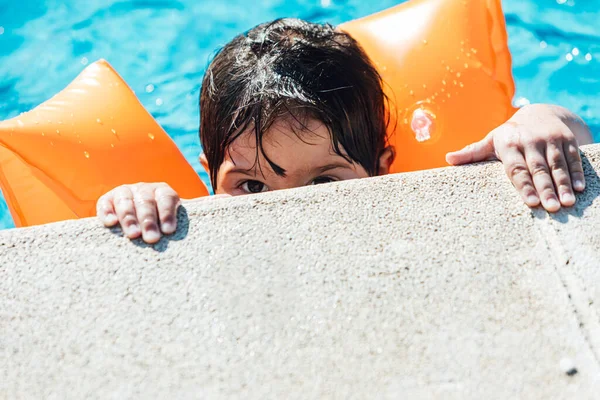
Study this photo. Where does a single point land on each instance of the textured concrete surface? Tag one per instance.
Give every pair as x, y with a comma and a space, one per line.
438, 284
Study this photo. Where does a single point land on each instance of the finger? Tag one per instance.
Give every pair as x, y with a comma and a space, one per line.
542, 181
167, 202
575, 165
478, 151
125, 210
557, 164
145, 210
518, 173
106, 211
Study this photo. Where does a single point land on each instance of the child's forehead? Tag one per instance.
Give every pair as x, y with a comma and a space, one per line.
287, 131
284, 142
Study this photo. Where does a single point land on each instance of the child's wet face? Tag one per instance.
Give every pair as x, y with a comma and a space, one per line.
306, 155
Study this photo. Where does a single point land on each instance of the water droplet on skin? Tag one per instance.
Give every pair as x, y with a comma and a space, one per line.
99, 121
443, 82
462, 42
425, 41
405, 121
20, 123
86, 154
36, 122
447, 68
443, 90
59, 122
43, 134
51, 143
112, 145
412, 93
461, 84
58, 131
424, 86
468, 54
151, 136
458, 74
113, 131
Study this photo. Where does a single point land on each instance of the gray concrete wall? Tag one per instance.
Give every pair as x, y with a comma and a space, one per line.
438, 284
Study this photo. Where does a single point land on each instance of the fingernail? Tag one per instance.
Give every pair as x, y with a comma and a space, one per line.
578, 185
567, 198
110, 219
167, 227
133, 229
532, 200
553, 203
151, 235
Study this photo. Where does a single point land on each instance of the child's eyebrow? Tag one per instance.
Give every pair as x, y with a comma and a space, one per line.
332, 166
245, 171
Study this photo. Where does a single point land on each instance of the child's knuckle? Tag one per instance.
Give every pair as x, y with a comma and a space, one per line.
517, 170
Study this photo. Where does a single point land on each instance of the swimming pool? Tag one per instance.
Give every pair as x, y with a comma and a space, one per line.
161, 48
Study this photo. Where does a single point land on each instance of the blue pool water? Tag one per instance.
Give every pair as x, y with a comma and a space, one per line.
161, 48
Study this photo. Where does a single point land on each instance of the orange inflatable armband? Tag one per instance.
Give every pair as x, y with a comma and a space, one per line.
446, 69
58, 159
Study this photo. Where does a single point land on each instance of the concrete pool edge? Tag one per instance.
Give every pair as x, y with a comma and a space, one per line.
439, 283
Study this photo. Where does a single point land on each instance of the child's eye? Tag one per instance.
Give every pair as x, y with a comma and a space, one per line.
254, 187
322, 179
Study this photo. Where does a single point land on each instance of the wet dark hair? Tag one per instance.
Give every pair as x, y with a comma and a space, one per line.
293, 68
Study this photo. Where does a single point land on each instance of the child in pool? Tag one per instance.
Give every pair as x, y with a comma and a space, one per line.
292, 103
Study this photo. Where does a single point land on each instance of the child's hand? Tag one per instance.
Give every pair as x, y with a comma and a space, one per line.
539, 147
139, 208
